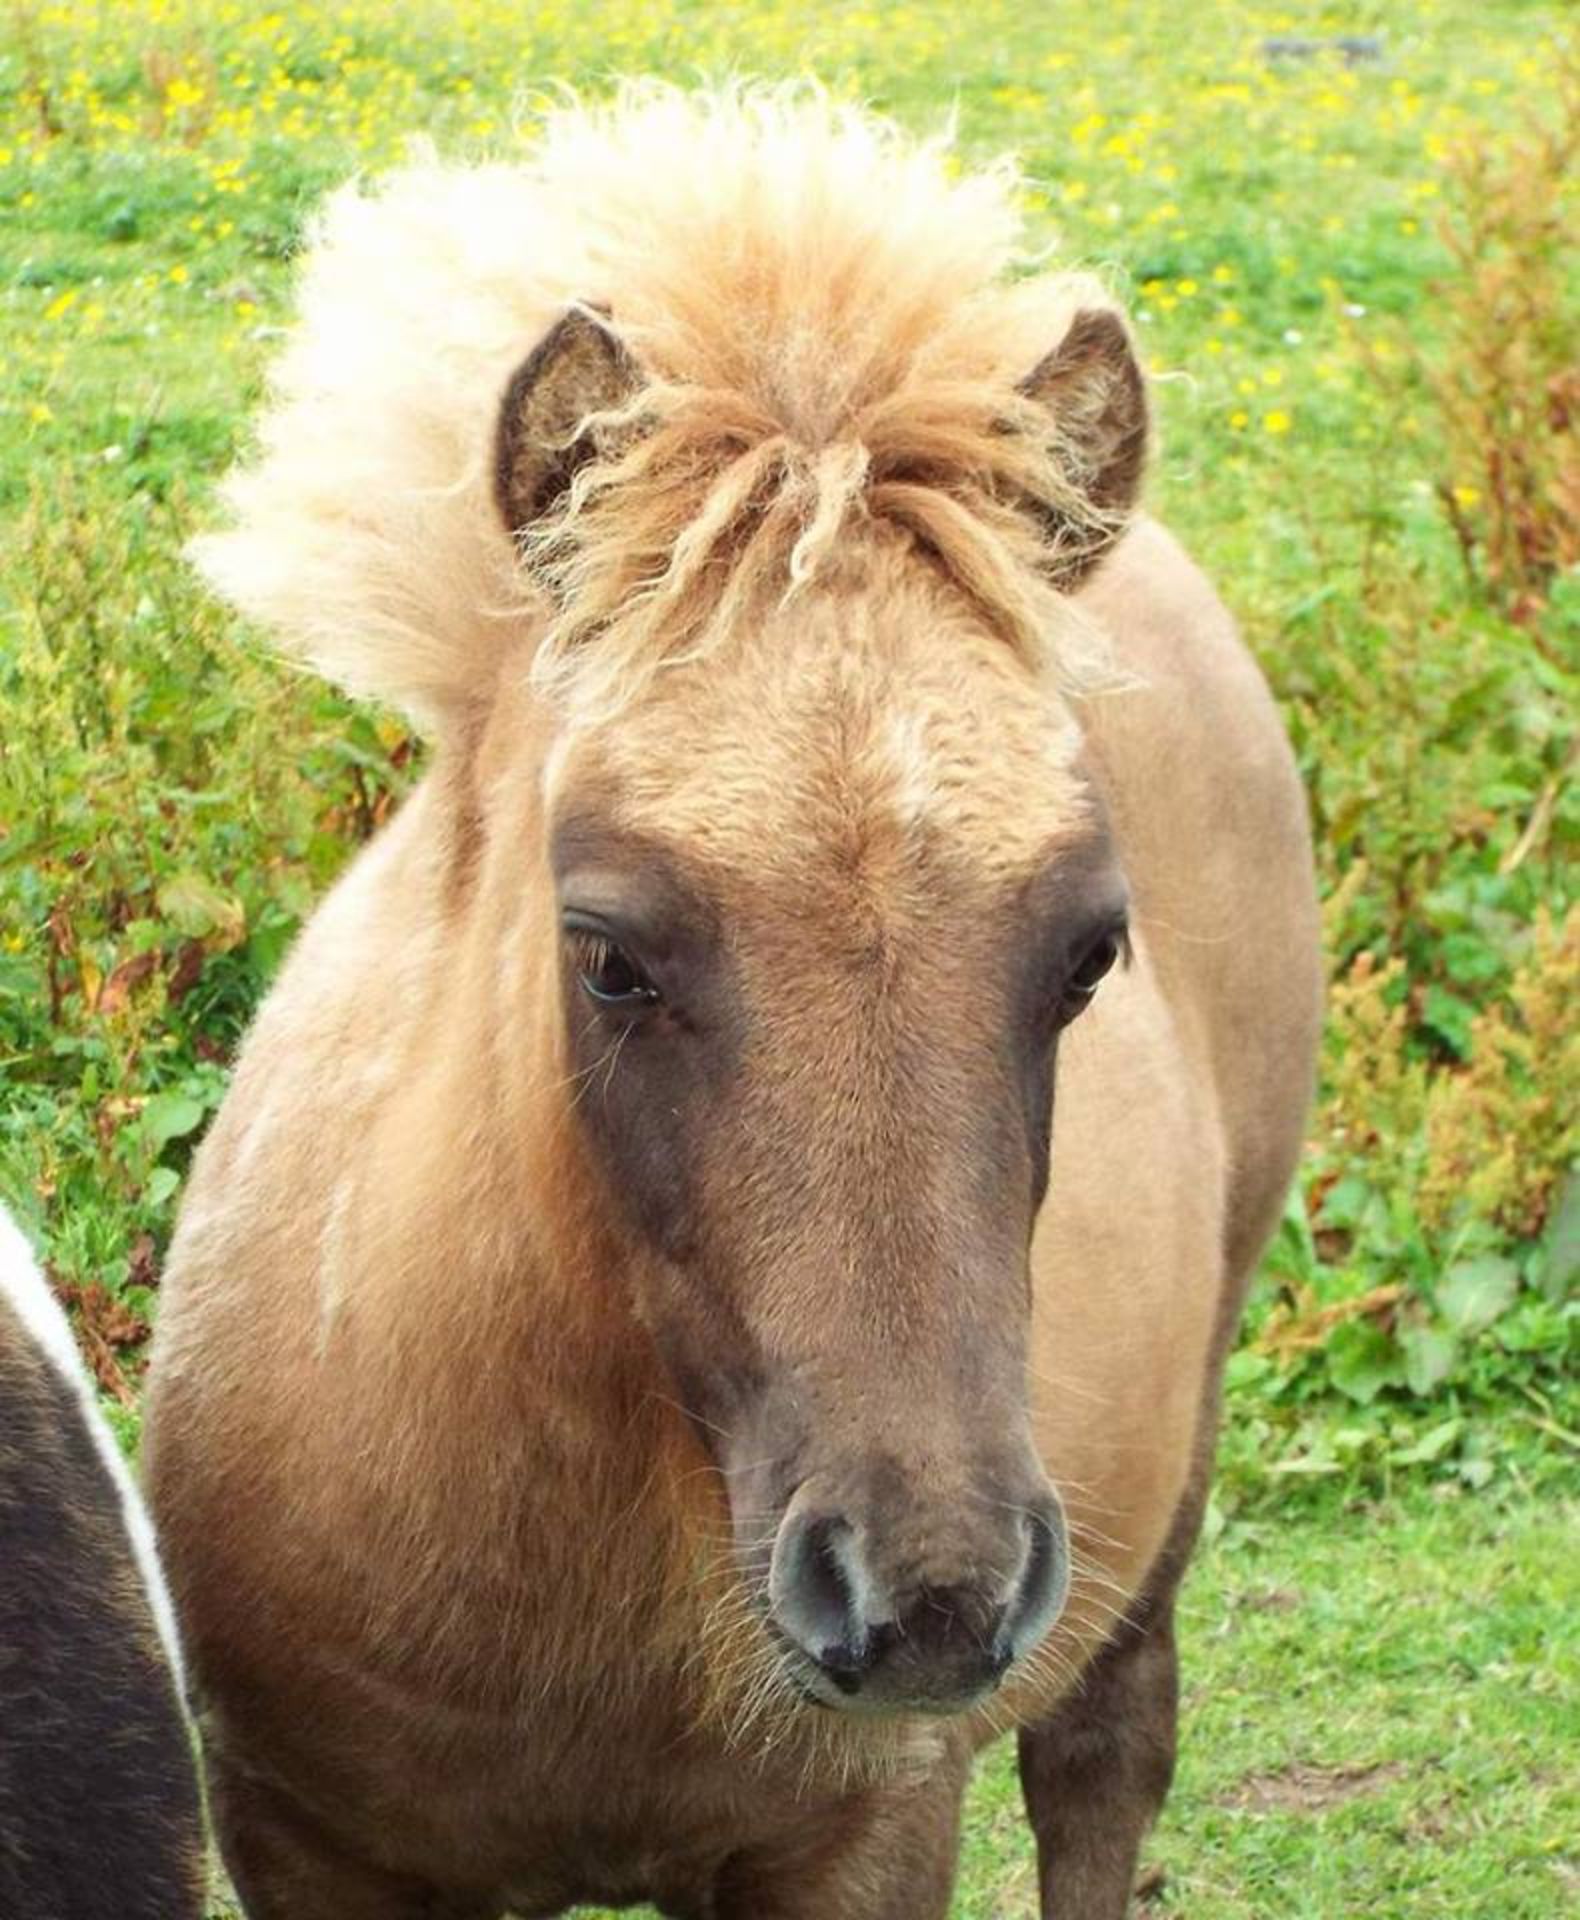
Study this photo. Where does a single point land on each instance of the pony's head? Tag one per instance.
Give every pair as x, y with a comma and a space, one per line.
797, 484
830, 885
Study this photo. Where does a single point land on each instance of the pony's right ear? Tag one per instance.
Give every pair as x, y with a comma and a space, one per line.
549, 418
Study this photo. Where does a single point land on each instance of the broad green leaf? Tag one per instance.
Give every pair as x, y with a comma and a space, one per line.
194, 906
1432, 1444
1363, 1359
162, 1183
1474, 1292
1429, 1356
1246, 1369
1346, 1201
171, 1116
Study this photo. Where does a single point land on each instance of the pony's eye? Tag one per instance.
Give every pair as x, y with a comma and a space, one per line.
1087, 975
1094, 963
608, 974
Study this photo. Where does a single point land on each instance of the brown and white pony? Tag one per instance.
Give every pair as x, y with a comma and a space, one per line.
99, 1813
706, 1299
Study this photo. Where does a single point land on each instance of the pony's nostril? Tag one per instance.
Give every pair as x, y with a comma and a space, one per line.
818, 1590
1044, 1582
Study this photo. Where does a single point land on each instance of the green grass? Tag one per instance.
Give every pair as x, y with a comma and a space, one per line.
1379, 1701
1403, 1416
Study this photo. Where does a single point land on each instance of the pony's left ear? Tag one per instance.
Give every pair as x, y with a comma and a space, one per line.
549, 422
1092, 386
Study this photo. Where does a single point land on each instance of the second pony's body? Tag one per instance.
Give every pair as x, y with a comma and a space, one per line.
98, 1797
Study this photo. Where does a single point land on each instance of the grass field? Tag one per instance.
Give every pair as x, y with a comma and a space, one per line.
1342, 233
1377, 1708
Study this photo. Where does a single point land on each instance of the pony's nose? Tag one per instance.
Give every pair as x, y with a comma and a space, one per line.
934, 1647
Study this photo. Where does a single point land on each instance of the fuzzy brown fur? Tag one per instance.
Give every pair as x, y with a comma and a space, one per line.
504, 1340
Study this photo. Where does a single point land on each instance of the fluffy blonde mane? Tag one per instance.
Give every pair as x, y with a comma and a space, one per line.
832, 343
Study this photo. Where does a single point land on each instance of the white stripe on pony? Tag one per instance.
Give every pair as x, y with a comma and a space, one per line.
41, 1314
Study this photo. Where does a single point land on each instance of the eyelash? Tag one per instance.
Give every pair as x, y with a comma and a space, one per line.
608, 974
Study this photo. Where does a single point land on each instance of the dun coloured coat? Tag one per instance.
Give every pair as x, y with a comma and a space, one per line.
706, 1299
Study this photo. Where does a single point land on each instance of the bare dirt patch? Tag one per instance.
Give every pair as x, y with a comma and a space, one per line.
1299, 1788
1271, 1600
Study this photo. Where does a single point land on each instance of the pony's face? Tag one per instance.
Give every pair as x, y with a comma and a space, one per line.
828, 896
823, 918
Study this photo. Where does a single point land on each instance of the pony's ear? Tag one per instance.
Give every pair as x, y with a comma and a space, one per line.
547, 420
1093, 387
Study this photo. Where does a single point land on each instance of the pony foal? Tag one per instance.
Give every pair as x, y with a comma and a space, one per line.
644, 1386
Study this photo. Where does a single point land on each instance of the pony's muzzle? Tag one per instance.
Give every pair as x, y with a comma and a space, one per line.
875, 1643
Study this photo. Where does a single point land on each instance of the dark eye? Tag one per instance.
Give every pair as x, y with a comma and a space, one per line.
607, 972
1087, 974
